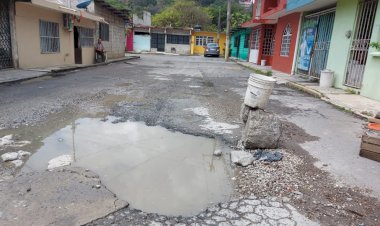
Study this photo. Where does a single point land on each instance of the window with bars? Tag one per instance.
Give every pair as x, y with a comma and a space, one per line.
255, 39
104, 31
268, 44
86, 37
49, 37
286, 40
200, 40
203, 40
246, 41
178, 39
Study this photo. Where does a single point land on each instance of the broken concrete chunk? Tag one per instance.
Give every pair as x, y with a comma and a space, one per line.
262, 130
244, 112
6, 140
217, 152
63, 160
10, 156
22, 153
241, 158
17, 163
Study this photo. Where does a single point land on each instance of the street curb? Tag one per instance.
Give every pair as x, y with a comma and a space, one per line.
55, 72
95, 65
317, 94
305, 89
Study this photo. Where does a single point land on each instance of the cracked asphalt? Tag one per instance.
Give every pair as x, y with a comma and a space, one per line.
202, 97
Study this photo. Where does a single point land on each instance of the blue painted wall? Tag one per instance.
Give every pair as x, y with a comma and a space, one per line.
294, 4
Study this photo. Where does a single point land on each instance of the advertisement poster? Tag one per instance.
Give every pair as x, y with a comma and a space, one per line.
306, 44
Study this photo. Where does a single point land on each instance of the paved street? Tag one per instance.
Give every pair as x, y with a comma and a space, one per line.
321, 180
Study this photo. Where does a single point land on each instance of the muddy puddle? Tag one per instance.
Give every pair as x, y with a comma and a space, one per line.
154, 169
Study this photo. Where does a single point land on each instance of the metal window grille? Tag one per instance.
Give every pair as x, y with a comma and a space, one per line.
86, 37
104, 32
5, 36
360, 43
286, 40
255, 39
246, 41
268, 44
203, 40
178, 39
200, 40
49, 37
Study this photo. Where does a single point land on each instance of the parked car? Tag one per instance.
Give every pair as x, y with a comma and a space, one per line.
212, 49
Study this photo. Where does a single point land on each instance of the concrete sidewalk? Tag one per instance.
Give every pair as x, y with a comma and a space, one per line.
359, 105
15, 75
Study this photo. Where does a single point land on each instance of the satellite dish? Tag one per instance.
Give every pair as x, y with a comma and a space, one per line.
83, 4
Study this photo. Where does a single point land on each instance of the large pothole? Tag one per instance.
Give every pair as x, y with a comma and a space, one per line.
154, 169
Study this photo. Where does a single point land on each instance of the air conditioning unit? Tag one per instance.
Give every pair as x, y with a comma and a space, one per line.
67, 22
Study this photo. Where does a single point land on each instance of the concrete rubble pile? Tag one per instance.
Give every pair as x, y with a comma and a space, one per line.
261, 130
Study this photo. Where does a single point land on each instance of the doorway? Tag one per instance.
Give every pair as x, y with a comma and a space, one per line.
5, 36
360, 43
314, 43
158, 42
77, 48
255, 45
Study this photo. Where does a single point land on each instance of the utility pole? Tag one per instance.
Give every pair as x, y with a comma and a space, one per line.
227, 51
218, 36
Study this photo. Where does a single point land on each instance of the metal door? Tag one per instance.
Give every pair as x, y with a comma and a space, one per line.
255, 45
5, 36
158, 42
322, 44
360, 43
238, 45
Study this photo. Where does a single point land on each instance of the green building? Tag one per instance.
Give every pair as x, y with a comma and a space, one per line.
240, 43
355, 63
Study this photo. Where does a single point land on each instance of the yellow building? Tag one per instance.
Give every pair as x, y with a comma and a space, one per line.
200, 38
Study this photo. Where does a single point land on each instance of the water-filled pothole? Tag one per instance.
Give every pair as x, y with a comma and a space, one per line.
154, 169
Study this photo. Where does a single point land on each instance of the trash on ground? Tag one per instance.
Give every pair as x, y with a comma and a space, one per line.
268, 156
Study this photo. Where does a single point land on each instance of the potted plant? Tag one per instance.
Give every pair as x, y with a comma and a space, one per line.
375, 45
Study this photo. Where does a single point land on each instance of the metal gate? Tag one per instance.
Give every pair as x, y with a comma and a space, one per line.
158, 42
5, 36
315, 42
360, 43
322, 44
255, 45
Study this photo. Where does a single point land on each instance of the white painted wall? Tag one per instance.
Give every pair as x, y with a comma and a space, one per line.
179, 48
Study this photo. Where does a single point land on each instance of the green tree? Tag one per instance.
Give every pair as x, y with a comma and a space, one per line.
239, 14
182, 13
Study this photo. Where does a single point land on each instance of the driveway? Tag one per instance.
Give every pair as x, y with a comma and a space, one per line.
321, 179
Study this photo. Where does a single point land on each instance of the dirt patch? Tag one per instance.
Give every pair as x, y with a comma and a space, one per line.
309, 188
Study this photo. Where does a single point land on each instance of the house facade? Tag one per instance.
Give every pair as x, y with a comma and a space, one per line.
161, 39
240, 44
356, 64
274, 34
307, 36
51, 33
199, 40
